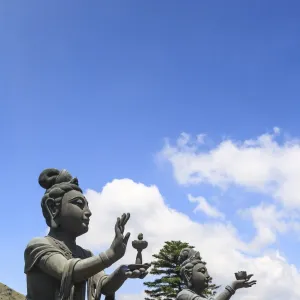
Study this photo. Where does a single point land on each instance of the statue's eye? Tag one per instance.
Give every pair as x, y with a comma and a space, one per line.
202, 270
79, 203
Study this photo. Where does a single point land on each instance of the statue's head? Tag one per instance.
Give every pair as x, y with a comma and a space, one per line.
193, 270
64, 206
186, 253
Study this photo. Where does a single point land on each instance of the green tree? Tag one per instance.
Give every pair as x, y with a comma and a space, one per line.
166, 268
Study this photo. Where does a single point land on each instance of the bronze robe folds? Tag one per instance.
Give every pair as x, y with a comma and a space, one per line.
187, 294
41, 286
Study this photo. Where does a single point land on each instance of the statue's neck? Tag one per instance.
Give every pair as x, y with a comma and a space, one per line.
68, 240
194, 290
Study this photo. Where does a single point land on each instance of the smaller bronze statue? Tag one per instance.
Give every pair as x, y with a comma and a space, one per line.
195, 275
139, 245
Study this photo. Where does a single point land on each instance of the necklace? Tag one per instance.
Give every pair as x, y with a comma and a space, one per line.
67, 252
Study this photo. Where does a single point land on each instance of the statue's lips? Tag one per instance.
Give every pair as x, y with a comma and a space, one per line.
86, 221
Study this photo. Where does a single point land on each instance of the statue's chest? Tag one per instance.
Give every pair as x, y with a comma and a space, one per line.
77, 252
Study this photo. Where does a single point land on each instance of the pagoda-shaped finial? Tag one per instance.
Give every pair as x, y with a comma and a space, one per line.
139, 245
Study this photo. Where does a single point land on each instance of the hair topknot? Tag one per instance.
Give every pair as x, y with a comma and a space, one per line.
186, 254
50, 177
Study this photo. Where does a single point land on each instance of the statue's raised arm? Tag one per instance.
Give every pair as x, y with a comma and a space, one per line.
56, 267
195, 276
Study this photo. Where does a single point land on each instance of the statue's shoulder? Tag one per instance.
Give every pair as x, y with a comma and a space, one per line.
37, 241
183, 295
187, 295
35, 249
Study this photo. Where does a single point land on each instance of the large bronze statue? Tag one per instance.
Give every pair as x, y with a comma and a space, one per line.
195, 275
56, 267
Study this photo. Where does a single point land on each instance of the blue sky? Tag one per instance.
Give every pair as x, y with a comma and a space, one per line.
96, 88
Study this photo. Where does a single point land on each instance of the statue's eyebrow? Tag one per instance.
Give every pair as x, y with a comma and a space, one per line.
78, 198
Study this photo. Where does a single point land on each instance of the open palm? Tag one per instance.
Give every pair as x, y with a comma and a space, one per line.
119, 243
244, 283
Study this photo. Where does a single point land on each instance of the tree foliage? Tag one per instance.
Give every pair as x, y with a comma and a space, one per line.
166, 269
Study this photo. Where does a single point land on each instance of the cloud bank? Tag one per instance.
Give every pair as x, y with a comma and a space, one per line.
261, 164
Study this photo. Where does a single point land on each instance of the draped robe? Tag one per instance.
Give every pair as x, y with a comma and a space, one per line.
187, 294
42, 286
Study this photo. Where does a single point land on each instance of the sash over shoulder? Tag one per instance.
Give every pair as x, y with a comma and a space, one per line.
37, 248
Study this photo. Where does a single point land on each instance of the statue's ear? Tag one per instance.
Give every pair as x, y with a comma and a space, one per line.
188, 275
53, 211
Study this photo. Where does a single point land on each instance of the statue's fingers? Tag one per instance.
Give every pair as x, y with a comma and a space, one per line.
128, 274
142, 270
121, 224
249, 284
121, 228
122, 219
127, 218
117, 228
126, 238
136, 274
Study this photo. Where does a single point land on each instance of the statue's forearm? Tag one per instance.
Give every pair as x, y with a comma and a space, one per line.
83, 269
113, 282
226, 294
88, 267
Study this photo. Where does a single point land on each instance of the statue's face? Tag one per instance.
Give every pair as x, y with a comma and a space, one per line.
200, 278
75, 214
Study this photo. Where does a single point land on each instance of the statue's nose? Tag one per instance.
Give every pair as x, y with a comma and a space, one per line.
87, 212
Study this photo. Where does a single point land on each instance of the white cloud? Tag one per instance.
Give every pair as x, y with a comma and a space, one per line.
140, 296
205, 207
218, 242
268, 221
261, 164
